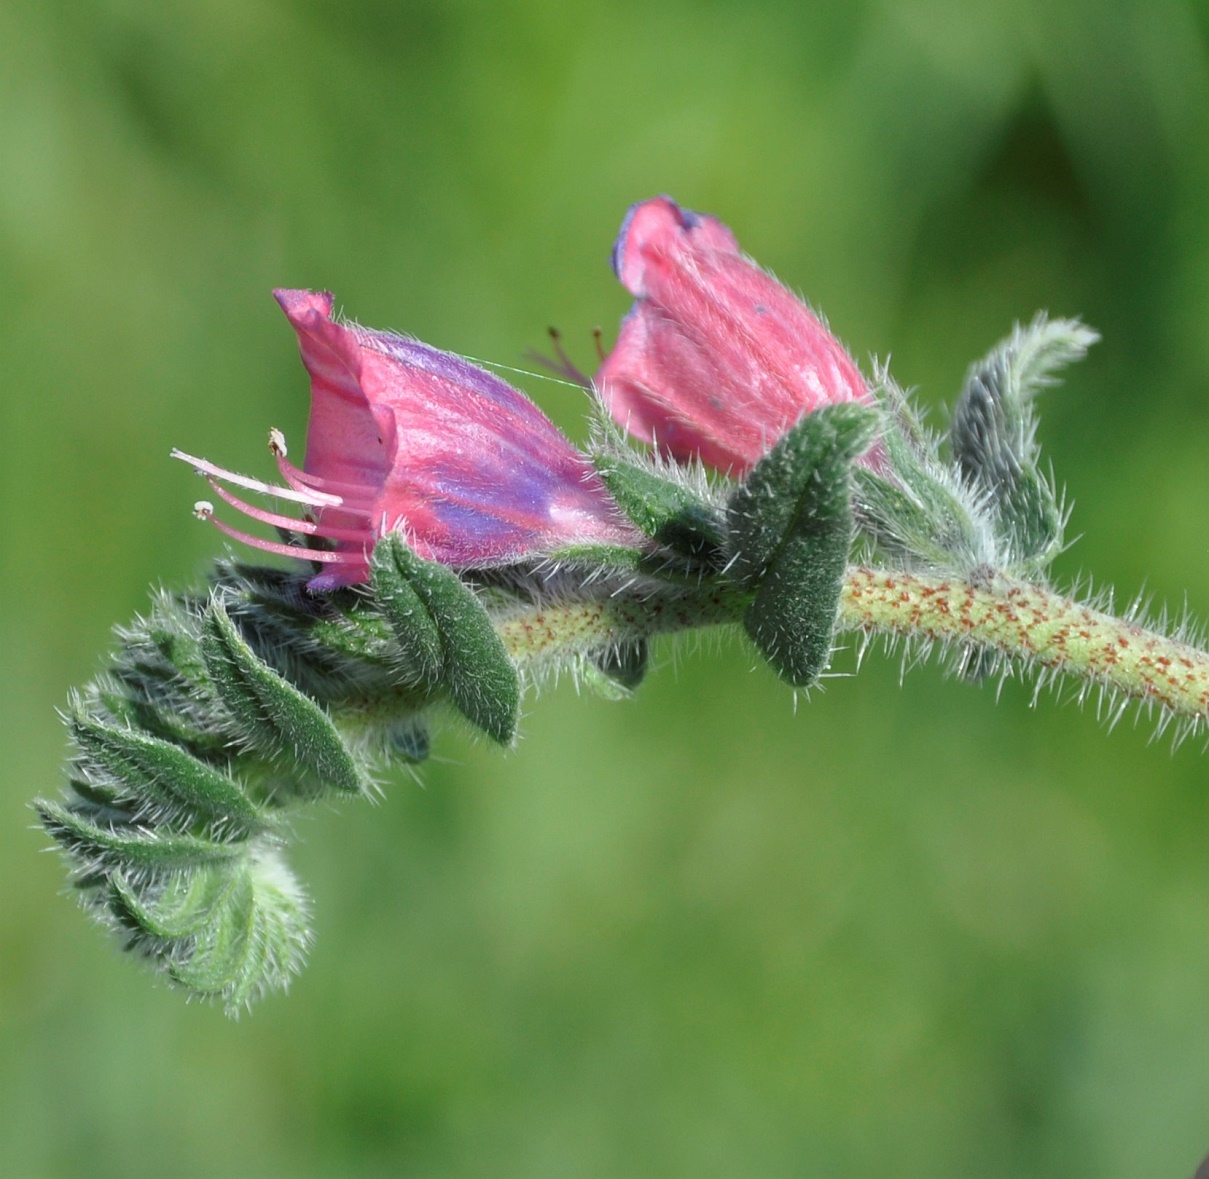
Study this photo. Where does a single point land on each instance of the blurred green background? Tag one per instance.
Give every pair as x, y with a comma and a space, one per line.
895, 932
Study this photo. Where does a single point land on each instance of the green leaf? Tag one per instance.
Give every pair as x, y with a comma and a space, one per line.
272, 716
420, 650
665, 510
132, 849
481, 679
791, 528
993, 436
164, 783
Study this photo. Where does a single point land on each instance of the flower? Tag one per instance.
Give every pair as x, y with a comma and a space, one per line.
404, 437
716, 359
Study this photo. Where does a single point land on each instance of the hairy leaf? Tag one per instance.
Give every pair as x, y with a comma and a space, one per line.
791, 529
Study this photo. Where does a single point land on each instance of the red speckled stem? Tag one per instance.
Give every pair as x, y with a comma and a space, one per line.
568, 628
1024, 622
1033, 624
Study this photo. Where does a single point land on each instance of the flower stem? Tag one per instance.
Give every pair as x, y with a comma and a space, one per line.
1026, 623
1035, 626
556, 630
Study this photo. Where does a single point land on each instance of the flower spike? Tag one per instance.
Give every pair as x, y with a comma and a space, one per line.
228, 707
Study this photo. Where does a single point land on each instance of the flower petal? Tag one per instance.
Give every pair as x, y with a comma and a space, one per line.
716, 359
465, 465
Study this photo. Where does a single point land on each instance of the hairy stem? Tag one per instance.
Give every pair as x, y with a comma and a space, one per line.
1036, 626
1024, 622
556, 630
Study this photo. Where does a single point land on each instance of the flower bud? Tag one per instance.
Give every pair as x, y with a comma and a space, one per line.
716, 360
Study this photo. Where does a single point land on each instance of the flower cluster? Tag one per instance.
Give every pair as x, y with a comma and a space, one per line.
715, 362
486, 548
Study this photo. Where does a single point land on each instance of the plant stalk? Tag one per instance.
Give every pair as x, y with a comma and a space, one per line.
1026, 623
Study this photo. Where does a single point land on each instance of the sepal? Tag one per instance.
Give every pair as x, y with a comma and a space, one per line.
790, 529
410, 741
228, 934
617, 672
102, 847
421, 653
596, 559
915, 505
187, 749
329, 646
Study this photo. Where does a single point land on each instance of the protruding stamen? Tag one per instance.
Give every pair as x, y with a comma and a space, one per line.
203, 509
305, 527
562, 364
350, 493
323, 556
277, 447
309, 497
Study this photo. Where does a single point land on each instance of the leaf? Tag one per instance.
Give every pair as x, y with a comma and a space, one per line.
166, 784
993, 436
272, 716
791, 528
481, 679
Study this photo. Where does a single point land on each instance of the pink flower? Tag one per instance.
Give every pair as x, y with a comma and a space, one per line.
404, 437
716, 359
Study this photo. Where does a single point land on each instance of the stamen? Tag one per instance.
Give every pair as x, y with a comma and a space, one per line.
562, 363
303, 481
289, 522
315, 499
323, 556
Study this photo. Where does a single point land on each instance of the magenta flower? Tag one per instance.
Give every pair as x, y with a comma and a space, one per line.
403, 437
716, 359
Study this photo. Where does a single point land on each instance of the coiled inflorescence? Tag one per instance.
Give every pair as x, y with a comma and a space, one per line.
455, 540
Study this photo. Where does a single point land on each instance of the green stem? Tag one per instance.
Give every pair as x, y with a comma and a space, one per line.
1023, 622
559, 629
1034, 625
